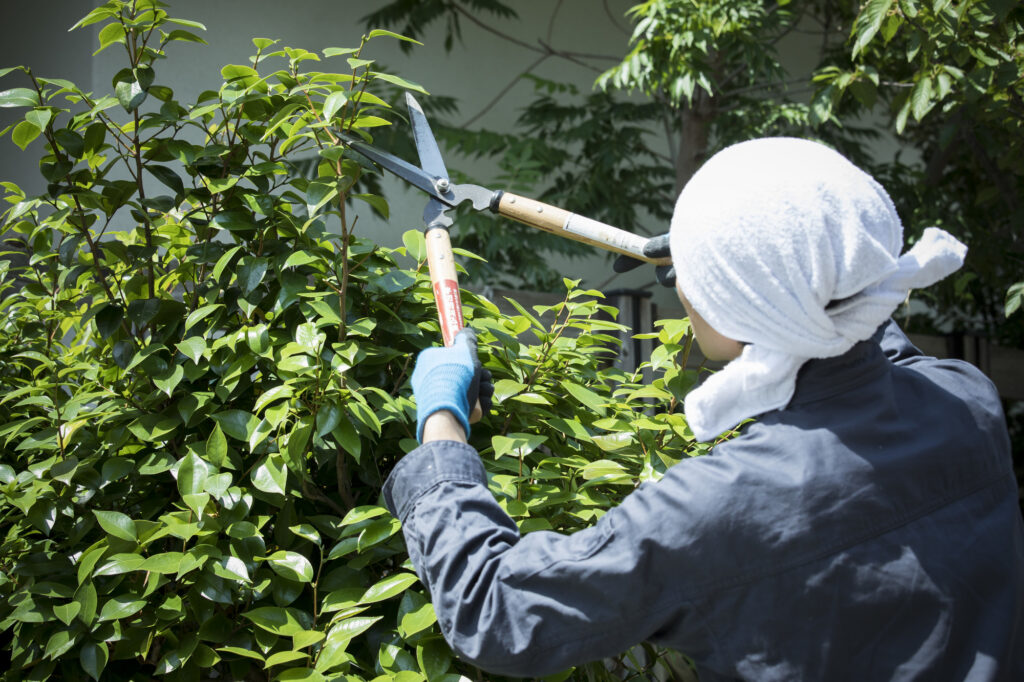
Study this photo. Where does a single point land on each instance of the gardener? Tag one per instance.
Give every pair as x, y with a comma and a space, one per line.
864, 526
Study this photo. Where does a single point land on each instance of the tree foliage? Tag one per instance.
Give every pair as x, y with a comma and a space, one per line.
203, 382
942, 78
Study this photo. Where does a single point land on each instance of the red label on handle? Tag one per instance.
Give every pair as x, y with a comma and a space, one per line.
449, 309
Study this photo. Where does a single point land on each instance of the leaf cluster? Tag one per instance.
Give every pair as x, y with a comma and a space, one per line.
203, 382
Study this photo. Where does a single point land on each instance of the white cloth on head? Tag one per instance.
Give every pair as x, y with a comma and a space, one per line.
786, 246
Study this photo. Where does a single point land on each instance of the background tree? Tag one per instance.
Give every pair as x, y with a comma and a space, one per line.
943, 79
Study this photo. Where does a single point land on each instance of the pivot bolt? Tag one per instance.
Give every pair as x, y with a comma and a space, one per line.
442, 185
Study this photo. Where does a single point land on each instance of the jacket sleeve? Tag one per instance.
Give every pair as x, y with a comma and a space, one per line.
535, 604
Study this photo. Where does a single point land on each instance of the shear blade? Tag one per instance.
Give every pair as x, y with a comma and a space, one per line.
430, 155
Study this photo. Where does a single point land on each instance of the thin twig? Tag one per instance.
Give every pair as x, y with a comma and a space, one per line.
504, 91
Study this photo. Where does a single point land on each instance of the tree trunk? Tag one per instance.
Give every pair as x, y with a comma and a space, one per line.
695, 128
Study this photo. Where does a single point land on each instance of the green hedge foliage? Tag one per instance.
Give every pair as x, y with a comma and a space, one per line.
204, 382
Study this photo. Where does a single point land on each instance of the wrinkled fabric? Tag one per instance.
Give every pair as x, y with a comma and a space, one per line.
786, 246
868, 531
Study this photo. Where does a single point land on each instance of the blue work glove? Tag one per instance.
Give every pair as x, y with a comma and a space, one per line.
451, 379
656, 247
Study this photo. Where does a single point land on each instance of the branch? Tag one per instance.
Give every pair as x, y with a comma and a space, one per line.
615, 22
504, 91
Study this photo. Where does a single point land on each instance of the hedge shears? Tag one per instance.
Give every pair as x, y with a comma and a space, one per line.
432, 177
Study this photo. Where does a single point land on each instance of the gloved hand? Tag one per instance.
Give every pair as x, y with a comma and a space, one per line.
451, 379
656, 247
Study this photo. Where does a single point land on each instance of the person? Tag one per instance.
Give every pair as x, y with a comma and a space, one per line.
863, 524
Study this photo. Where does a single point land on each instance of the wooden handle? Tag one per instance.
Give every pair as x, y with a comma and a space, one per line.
445, 280
572, 226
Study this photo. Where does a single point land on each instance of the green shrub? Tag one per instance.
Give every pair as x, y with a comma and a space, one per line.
203, 387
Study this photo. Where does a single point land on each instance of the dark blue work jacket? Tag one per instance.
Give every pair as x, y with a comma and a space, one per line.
868, 531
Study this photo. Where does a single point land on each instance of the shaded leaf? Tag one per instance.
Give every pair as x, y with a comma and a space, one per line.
117, 524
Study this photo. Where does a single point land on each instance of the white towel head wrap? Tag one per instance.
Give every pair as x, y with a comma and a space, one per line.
785, 245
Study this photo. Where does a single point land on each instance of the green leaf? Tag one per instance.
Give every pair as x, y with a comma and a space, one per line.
377, 203
24, 133
130, 94
67, 612
868, 22
400, 82
39, 118
506, 388
250, 273
187, 22
583, 394
359, 514
370, 122
238, 424
192, 348
300, 675
1014, 298
319, 193
282, 657
603, 468
19, 97
306, 531
223, 263
122, 606
343, 547
377, 532
167, 176
388, 587
280, 621
415, 244
238, 71
272, 395
116, 524
300, 258
216, 186
271, 475
192, 474
239, 651
333, 650
164, 563
154, 427
614, 441
346, 436
86, 596
334, 102
217, 446
516, 444
232, 568
434, 658
311, 340
415, 614
111, 34
118, 564
921, 100
298, 439
292, 566
167, 381
381, 32
200, 313
93, 658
